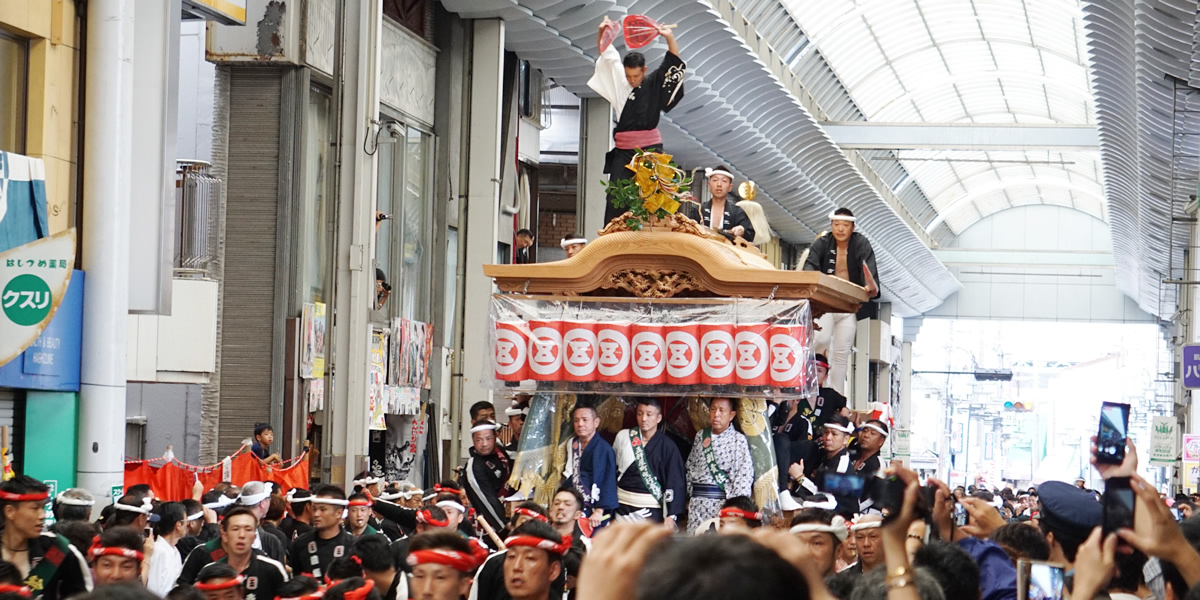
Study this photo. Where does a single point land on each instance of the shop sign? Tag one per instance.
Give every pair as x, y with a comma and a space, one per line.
51, 363
903, 444
33, 282
1191, 366
1163, 441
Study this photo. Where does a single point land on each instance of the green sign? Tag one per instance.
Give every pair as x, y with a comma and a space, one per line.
53, 485
26, 300
117, 492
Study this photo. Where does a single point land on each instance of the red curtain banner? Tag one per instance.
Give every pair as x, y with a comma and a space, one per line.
172, 480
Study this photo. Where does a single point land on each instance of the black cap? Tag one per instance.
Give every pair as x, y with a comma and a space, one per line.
1069, 512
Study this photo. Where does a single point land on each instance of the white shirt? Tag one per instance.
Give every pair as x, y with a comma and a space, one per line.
609, 80
165, 566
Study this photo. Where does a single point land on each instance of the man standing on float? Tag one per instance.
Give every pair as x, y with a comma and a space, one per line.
638, 99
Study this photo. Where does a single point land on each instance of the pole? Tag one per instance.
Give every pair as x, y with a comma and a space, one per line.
107, 148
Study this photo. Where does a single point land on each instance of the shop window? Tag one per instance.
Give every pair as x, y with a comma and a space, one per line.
402, 242
14, 60
409, 13
316, 203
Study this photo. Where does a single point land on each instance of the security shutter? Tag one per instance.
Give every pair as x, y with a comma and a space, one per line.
248, 314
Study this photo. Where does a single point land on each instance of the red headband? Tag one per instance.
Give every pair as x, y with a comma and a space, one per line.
438, 489
459, 561
426, 517
537, 542
21, 590
224, 585
313, 596
533, 514
359, 503
737, 512
821, 363
34, 497
360, 592
96, 551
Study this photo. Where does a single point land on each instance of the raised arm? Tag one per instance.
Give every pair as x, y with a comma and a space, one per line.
600, 34
669, 35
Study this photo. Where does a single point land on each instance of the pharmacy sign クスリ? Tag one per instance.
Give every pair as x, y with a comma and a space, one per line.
33, 281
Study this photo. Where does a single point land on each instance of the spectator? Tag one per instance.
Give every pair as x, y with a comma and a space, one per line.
165, 561
1021, 541
955, 571
1069, 514
264, 436
524, 254
822, 533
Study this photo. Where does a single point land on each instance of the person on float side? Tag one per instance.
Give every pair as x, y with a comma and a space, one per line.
721, 212
847, 255
485, 473
638, 100
51, 567
591, 465
650, 472
719, 466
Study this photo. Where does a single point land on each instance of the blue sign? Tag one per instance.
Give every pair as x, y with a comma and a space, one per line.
52, 362
1191, 366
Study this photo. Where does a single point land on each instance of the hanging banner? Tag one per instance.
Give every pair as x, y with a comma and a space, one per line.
312, 351
1191, 446
749, 348
33, 282
1164, 441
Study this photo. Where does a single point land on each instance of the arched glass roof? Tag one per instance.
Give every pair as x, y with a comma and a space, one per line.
968, 61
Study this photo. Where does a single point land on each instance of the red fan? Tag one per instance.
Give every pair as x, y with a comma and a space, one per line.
641, 30
611, 29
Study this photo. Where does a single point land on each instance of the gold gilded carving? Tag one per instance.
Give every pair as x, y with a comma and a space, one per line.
653, 283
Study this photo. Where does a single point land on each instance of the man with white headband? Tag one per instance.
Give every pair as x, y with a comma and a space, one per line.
573, 244
74, 504
256, 495
516, 413
821, 532
721, 212
311, 553
871, 438
833, 462
847, 255
638, 100
486, 471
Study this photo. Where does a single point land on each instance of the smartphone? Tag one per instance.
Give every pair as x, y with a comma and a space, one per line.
1118, 504
1176, 514
888, 497
1038, 580
843, 484
1110, 440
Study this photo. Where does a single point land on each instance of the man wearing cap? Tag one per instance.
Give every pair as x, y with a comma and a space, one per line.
517, 413
1068, 516
719, 466
651, 481
486, 471
638, 100
261, 575
847, 255
721, 212
256, 496
591, 465
573, 244
311, 553
51, 566
821, 533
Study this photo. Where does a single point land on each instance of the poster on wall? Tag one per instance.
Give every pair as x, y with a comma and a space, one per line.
377, 389
312, 347
314, 390
1190, 476
405, 445
412, 345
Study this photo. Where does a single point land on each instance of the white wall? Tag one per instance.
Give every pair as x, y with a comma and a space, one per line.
1058, 293
196, 95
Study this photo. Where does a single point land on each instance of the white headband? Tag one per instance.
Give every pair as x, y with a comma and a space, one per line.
875, 427
842, 428
221, 502
867, 525
512, 412
430, 496
837, 527
484, 427
452, 504
711, 172
828, 504
62, 498
146, 508
332, 501
195, 516
837, 217
292, 499
567, 242
366, 481
253, 499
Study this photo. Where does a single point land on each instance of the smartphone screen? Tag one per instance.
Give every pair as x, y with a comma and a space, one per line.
960, 515
1038, 580
1118, 504
843, 484
1110, 440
